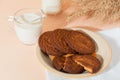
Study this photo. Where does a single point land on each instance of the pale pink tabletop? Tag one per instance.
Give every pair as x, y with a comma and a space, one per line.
19, 61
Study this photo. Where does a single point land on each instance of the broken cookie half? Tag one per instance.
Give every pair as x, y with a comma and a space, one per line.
90, 63
71, 66
67, 64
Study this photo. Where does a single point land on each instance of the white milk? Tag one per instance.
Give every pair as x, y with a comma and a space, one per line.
26, 30
51, 6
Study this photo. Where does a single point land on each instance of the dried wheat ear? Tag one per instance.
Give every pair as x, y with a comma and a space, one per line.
103, 10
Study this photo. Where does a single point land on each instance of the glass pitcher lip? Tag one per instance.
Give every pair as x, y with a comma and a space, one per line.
41, 12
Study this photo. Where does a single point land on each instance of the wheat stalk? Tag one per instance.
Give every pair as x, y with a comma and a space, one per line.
104, 10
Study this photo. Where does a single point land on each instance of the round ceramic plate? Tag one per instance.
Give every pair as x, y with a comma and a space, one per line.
104, 51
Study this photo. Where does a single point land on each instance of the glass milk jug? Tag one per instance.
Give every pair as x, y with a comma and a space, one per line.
28, 24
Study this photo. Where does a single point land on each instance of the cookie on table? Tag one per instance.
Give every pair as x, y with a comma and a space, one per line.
45, 44
81, 42
59, 41
89, 62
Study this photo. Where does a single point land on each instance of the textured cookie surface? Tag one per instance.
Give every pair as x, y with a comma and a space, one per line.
59, 41
58, 62
45, 43
72, 67
90, 63
67, 64
80, 42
